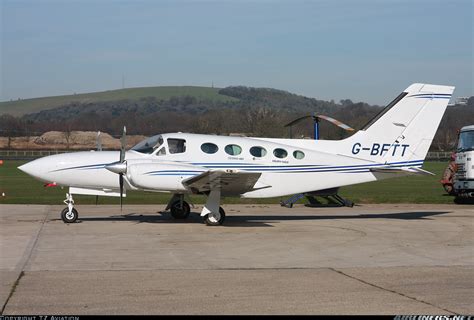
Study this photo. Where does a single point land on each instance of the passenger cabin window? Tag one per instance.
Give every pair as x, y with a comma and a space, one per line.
280, 153
258, 152
298, 154
209, 148
233, 149
176, 145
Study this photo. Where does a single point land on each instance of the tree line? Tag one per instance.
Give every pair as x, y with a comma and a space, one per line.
255, 112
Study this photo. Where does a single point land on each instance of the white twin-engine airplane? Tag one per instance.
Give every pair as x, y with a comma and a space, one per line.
393, 143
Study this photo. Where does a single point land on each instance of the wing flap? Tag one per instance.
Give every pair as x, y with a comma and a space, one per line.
230, 182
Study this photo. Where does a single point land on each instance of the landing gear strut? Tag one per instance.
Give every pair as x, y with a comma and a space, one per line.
69, 214
212, 213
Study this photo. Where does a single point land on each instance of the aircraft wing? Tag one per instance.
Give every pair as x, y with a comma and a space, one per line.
230, 182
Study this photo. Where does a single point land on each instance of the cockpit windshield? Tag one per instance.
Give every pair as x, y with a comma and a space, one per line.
149, 145
466, 141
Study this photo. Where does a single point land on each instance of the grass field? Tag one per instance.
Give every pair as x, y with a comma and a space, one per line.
24, 106
22, 189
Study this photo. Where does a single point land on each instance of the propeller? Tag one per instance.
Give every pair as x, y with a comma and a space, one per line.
123, 142
120, 167
317, 118
99, 142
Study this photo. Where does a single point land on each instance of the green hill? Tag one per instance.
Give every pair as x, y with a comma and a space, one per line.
21, 107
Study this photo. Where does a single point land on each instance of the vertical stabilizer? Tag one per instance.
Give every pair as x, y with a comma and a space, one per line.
403, 131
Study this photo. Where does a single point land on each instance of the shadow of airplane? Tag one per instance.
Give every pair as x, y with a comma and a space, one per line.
263, 220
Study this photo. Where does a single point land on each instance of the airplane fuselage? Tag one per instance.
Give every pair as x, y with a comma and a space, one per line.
287, 166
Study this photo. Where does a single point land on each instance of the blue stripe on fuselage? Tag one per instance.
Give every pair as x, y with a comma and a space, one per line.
265, 168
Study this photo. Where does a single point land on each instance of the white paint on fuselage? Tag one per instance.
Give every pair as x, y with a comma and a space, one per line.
317, 170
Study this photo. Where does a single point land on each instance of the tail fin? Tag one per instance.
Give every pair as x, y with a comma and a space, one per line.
403, 131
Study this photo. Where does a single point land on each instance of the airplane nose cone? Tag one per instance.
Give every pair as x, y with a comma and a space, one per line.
38, 169
28, 168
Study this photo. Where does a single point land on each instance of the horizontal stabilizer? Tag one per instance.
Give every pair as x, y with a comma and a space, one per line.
411, 170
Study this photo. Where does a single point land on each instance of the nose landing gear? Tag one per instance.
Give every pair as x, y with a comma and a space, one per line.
69, 214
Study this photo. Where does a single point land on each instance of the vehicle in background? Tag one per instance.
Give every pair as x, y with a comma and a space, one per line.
463, 182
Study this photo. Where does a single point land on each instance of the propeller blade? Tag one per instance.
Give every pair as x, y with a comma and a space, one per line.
121, 189
336, 122
99, 142
298, 120
123, 142
122, 163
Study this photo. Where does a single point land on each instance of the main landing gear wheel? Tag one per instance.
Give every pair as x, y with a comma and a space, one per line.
215, 219
180, 209
69, 217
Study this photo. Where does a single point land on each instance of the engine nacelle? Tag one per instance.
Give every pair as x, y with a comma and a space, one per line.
160, 176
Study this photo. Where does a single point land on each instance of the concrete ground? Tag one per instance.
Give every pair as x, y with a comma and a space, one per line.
382, 259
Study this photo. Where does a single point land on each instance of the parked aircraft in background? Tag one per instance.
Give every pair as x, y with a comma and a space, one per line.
393, 143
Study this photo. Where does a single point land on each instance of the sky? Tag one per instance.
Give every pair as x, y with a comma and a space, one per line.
366, 50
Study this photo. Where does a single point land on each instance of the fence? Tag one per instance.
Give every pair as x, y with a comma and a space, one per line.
33, 154
439, 156
29, 154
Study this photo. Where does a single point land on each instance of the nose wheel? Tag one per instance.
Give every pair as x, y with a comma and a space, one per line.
69, 217
69, 214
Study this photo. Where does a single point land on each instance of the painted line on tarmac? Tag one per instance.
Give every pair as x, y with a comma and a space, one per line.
392, 291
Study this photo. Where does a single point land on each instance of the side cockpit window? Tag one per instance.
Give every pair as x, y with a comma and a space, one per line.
176, 145
162, 151
149, 145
